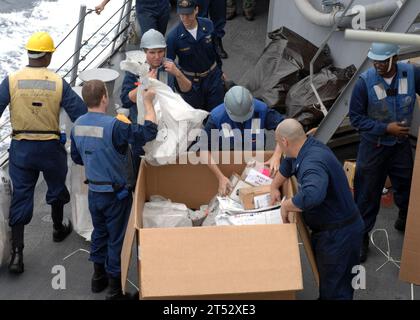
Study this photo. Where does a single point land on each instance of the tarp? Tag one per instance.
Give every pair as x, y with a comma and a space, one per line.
285, 61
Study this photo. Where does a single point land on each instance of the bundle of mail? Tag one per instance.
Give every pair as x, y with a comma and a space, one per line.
249, 203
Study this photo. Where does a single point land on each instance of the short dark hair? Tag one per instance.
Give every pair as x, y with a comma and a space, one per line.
93, 91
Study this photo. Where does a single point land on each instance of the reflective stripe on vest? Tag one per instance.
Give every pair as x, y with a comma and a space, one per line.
253, 133
35, 97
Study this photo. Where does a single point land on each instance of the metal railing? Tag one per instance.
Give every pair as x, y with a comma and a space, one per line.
121, 28
125, 12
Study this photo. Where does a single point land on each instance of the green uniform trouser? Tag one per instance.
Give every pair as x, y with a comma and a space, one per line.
246, 4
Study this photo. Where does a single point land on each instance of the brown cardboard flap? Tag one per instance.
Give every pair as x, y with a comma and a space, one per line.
130, 234
305, 235
198, 262
410, 260
134, 223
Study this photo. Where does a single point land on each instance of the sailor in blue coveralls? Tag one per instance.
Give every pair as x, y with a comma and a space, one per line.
325, 200
192, 41
165, 70
381, 109
217, 11
100, 143
240, 123
36, 96
151, 14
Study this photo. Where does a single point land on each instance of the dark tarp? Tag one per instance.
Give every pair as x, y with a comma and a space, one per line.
283, 62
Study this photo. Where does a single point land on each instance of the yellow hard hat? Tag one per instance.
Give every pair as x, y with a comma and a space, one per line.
40, 42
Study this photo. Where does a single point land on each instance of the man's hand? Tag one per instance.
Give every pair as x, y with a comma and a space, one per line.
148, 95
153, 74
284, 212
275, 195
274, 164
132, 95
100, 8
225, 187
398, 129
171, 68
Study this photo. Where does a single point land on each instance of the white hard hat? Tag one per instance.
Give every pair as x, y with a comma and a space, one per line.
152, 39
239, 104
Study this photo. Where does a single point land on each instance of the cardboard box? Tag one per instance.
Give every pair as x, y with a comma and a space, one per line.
248, 196
350, 170
410, 260
234, 195
207, 262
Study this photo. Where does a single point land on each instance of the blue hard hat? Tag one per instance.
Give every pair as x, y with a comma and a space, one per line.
383, 51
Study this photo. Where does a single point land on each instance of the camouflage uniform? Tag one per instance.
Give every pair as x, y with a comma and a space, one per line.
247, 5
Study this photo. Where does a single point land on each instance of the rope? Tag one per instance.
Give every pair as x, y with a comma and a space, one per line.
387, 254
74, 252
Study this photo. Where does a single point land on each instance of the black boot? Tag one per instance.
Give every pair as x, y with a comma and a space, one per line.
365, 248
115, 290
219, 48
99, 278
16, 259
400, 222
61, 231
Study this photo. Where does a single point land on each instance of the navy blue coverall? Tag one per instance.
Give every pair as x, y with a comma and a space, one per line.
153, 14
217, 11
329, 210
27, 158
381, 155
109, 210
269, 120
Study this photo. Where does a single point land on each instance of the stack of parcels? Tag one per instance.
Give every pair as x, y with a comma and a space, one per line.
249, 203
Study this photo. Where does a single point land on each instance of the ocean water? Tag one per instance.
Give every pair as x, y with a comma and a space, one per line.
19, 19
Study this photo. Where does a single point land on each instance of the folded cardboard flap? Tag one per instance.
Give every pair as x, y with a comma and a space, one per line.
220, 260
410, 260
208, 262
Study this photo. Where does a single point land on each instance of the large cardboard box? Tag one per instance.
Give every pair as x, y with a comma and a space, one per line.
410, 260
233, 262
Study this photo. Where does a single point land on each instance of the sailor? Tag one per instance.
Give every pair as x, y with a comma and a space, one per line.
248, 9
325, 200
381, 109
240, 123
36, 96
100, 143
151, 14
161, 68
192, 41
217, 11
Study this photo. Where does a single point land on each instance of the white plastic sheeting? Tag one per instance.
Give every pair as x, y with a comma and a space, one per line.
5, 232
81, 218
177, 120
163, 213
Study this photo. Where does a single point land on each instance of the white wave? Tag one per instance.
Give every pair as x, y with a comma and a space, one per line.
57, 18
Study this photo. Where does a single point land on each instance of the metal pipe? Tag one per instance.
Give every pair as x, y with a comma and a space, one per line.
373, 11
387, 37
78, 44
127, 22
118, 29
311, 66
